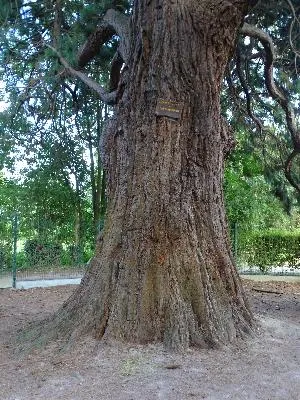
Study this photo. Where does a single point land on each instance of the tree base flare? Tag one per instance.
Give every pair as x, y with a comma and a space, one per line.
180, 307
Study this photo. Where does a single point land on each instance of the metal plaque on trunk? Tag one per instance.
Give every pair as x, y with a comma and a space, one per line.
168, 108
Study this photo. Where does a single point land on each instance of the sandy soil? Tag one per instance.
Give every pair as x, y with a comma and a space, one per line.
265, 367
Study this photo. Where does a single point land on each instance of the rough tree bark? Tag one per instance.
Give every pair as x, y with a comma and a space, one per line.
163, 270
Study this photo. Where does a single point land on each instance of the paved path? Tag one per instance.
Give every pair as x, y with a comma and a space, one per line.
6, 281
47, 283
282, 278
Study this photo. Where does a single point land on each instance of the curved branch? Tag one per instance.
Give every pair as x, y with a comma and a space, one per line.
288, 169
113, 23
121, 24
277, 94
73, 94
90, 49
243, 81
233, 92
106, 97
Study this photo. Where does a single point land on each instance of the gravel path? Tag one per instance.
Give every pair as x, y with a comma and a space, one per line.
263, 368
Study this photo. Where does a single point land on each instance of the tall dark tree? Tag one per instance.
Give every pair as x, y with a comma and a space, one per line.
163, 269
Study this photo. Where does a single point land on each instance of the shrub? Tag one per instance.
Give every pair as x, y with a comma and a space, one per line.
268, 249
39, 253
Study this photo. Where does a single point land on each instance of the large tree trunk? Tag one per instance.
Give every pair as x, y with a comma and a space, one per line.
163, 270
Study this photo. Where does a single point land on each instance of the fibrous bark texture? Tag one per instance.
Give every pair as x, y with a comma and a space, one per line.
163, 270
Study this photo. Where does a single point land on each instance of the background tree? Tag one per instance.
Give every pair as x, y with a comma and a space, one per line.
47, 120
266, 68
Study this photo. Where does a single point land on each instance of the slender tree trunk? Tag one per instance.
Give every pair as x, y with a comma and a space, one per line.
97, 174
95, 185
103, 197
163, 270
78, 227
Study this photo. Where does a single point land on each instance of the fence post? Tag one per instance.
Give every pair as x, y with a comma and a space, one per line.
15, 240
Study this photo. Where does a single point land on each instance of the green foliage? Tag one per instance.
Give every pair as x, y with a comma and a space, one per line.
40, 253
53, 124
272, 248
46, 224
9, 10
249, 198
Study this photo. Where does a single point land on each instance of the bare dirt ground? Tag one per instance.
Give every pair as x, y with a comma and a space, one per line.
265, 367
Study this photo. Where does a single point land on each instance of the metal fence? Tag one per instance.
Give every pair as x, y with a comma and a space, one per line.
30, 253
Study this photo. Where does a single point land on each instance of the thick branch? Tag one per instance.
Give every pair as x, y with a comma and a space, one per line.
121, 24
90, 49
57, 24
113, 23
108, 98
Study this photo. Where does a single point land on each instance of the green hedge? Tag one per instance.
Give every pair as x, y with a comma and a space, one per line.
268, 249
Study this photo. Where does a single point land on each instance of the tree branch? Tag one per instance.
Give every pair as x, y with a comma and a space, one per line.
106, 97
243, 81
233, 93
57, 24
288, 169
90, 49
121, 24
278, 95
273, 90
113, 22
73, 94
